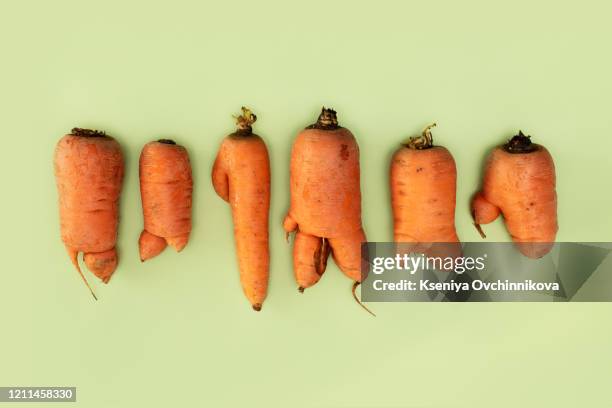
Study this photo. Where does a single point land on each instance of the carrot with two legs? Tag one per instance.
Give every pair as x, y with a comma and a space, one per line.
166, 188
325, 210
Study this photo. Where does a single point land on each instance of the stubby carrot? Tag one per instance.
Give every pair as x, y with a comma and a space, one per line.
519, 182
166, 187
423, 191
241, 176
325, 211
89, 172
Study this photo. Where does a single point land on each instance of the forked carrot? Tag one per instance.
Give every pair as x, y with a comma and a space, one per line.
166, 187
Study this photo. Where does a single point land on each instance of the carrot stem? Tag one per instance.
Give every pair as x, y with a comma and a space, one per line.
423, 141
87, 132
245, 121
359, 301
328, 120
520, 144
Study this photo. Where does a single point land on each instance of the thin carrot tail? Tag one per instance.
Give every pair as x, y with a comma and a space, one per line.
74, 257
357, 299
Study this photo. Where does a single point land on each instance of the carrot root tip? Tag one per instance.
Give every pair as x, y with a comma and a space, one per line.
480, 231
359, 301
257, 307
301, 289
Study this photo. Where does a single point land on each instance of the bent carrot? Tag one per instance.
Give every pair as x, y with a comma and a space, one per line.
166, 187
325, 211
89, 170
241, 176
519, 182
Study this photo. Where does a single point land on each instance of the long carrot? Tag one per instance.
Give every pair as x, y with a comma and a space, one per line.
89, 172
241, 176
325, 211
166, 189
519, 182
423, 191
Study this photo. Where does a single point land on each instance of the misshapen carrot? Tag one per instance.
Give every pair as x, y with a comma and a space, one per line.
89, 173
423, 192
519, 182
241, 176
325, 211
166, 187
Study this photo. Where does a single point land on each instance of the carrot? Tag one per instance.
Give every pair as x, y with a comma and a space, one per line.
166, 189
241, 176
325, 210
89, 169
519, 182
423, 191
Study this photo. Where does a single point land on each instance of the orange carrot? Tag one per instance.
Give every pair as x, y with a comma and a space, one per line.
241, 176
423, 195
325, 210
519, 182
166, 190
89, 173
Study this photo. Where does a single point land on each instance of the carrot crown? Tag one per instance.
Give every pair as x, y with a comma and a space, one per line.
423, 141
327, 120
245, 121
166, 141
520, 144
87, 132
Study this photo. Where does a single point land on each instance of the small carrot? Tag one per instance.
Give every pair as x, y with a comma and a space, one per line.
241, 176
423, 192
89, 170
166, 187
519, 182
325, 211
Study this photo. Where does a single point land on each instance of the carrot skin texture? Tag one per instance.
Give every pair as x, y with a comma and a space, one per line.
166, 189
241, 176
521, 186
89, 173
423, 195
325, 202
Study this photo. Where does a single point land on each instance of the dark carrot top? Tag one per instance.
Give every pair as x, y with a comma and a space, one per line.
520, 144
327, 120
87, 132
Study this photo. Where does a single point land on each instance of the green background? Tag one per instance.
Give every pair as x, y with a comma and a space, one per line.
177, 329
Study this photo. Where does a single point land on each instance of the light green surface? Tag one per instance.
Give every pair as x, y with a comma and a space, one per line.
177, 331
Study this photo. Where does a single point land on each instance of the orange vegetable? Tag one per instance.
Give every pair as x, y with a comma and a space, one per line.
423, 192
166, 189
519, 182
89, 172
325, 211
241, 176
